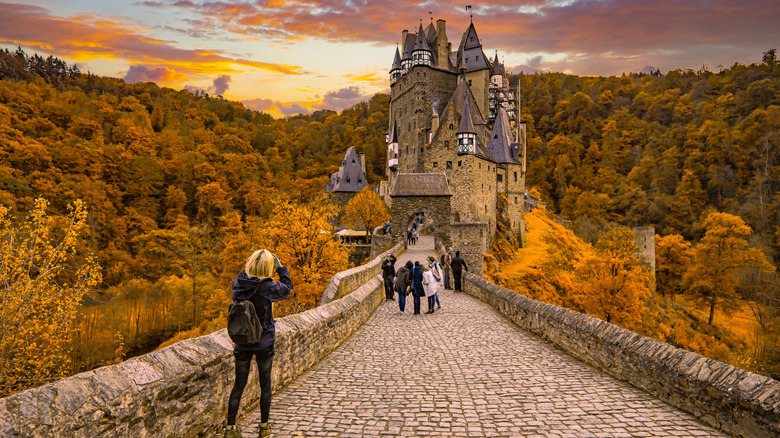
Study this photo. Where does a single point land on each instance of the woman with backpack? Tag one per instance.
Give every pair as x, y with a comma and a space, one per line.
255, 285
417, 285
403, 278
431, 287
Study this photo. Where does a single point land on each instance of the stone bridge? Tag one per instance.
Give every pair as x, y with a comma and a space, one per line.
490, 363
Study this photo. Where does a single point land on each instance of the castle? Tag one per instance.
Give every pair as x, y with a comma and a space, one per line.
453, 113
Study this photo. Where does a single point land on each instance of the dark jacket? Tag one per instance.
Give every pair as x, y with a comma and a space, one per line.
388, 267
262, 292
458, 264
403, 278
417, 279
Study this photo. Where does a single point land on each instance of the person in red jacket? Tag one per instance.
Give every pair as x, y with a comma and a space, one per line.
255, 284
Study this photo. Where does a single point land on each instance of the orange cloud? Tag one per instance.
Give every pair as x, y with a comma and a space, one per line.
374, 78
145, 73
86, 38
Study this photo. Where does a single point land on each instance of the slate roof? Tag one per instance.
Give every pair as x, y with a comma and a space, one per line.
350, 177
500, 143
396, 60
421, 42
408, 46
466, 126
462, 94
393, 133
420, 184
497, 68
470, 54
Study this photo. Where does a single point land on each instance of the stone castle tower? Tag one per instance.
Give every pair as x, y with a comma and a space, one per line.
453, 112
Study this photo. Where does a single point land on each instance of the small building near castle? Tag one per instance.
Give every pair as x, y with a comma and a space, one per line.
350, 179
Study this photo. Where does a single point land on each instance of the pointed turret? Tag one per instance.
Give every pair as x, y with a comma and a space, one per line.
500, 143
392, 147
422, 53
467, 135
470, 52
495, 69
406, 57
395, 70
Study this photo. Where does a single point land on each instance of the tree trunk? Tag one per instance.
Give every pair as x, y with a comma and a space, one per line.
712, 310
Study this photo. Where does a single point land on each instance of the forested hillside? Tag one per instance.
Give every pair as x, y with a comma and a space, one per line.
696, 154
659, 150
178, 189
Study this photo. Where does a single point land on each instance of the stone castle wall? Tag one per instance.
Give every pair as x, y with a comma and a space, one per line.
644, 245
471, 240
728, 398
436, 209
413, 98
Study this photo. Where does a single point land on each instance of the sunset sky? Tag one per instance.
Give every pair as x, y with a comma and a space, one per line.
286, 57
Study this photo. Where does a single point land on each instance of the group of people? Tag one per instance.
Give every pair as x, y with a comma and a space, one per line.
421, 280
413, 233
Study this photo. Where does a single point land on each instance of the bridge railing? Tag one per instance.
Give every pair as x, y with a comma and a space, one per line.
182, 390
725, 397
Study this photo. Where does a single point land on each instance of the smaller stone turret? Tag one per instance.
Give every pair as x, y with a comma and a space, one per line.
421, 54
395, 70
467, 135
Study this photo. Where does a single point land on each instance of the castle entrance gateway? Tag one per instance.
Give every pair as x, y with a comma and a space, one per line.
421, 193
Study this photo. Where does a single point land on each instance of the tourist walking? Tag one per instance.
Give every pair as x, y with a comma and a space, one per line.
408, 237
435, 268
446, 260
458, 265
417, 285
388, 273
431, 286
255, 284
403, 278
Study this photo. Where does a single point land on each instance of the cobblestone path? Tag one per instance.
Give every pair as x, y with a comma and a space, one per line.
462, 372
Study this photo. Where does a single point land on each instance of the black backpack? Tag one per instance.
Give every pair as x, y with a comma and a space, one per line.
244, 326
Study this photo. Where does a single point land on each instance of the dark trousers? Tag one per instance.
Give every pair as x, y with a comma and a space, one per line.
431, 300
436, 298
447, 278
417, 303
264, 359
456, 274
389, 287
401, 298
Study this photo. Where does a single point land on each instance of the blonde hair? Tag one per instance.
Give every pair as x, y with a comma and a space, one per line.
260, 264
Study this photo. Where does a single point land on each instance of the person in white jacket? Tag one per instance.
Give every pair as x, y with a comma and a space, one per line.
431, 286
436, 270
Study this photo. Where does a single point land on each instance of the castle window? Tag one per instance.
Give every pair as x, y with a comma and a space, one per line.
347, 178
421, 150
480, 166
418, 74
435, 164
460, 163
499, 177
409, 127
515, 176
515, 199
485, 212
449, 164
488, 167
451, 127
477, 57
446, 143
469, 82
483, 186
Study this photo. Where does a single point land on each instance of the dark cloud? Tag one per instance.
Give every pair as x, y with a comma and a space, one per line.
145, 73
343, 98
221, 84
259, 104
289, 109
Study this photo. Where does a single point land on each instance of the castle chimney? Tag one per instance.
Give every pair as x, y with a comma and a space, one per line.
404, 33
442, 45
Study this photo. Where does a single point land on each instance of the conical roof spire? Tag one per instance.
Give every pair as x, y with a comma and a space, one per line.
466, 127
495, 69
397, 59
393, 133
422, 41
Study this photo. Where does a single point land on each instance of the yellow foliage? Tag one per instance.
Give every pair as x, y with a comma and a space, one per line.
41, 292
366, 209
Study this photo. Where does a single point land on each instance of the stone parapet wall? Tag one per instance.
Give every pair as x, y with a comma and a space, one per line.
471, 240
728, 398
344, 282
181, 390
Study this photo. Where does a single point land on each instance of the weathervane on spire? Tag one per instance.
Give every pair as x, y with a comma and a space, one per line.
431, 14
471, 15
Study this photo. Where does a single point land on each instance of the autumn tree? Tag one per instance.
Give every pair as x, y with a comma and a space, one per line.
673, 255
42, 285
613, 285
720, 256
300, 234
366, 209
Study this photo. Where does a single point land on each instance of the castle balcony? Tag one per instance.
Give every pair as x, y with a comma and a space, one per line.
392, 163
